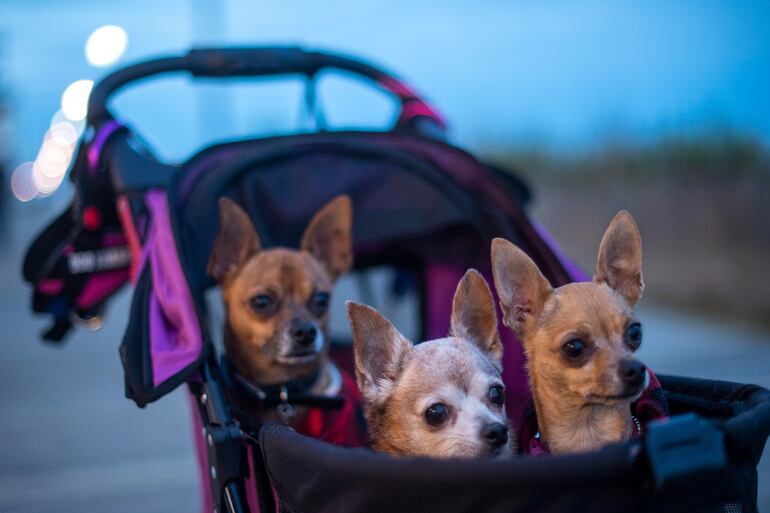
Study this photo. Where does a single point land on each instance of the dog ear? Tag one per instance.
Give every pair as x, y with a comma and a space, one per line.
521, 286
619, 264
329, 236
474, 317
236, 241
380, 351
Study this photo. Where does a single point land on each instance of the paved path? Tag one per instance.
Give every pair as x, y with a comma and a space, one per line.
69, 441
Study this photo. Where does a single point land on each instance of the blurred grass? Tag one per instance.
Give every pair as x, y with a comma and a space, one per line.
702, 204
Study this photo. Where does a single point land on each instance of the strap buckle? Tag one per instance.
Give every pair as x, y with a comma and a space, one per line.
684, 447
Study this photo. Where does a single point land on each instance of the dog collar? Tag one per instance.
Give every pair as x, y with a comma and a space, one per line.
292, 393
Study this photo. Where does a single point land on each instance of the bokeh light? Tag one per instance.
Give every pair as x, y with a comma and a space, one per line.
44, 176
74, 100
59, 117
45, 184
54, 157
64, 130
63, 133
105, 45
22, 185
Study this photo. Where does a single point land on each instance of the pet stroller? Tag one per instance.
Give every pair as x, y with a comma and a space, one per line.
422, 207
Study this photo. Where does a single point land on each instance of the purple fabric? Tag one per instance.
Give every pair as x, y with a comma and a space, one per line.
95, 150
175, 334
440, 284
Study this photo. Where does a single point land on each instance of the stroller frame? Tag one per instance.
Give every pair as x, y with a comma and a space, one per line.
716, 442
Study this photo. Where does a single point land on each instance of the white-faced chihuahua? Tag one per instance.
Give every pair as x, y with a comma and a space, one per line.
441, 398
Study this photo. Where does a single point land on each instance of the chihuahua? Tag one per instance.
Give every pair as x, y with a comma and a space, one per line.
441, 398
276, 302
579, 340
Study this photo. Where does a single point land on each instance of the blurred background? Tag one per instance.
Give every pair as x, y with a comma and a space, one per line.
658, 107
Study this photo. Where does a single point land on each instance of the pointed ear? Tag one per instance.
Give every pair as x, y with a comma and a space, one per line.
521, 286
619, 264
379, 349
329, 236
236, 241
474, 317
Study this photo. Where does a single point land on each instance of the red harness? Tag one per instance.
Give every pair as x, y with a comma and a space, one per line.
345, 426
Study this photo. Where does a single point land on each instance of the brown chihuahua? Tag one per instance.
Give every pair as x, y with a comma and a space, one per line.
277, 301
579, 340
441, 398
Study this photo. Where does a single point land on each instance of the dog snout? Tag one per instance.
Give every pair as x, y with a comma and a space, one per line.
495, 433
632, 373
304, 333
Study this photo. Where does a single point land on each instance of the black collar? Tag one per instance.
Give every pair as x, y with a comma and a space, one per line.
294, 392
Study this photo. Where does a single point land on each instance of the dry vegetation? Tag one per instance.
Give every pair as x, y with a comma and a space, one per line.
702, 204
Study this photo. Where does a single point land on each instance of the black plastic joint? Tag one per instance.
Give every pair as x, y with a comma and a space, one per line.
226, 448
684, 447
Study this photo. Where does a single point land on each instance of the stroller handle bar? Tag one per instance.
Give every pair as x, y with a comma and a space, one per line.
257, 62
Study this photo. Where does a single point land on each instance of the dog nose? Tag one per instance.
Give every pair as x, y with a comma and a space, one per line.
304, 334
632, 372
495, 433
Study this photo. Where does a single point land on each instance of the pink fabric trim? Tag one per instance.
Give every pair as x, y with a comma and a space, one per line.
396, 86
113, 239
416, 108
251, 483
132, 238
207, 505
101, 285
50, 287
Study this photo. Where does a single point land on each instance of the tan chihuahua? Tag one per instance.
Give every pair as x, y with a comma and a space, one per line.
441, 398
579, 340
277, 300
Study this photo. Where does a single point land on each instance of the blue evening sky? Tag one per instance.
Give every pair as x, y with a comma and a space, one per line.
565, 73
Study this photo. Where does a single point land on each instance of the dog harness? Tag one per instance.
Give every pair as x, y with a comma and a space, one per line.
652, 405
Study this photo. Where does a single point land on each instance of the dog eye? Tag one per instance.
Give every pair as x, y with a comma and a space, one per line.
572, 349
436, 414
634, 335
261, 303
319, 303
496, 395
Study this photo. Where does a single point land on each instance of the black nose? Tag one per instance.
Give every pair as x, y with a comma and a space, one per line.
304, 334
495, 433
632, 372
